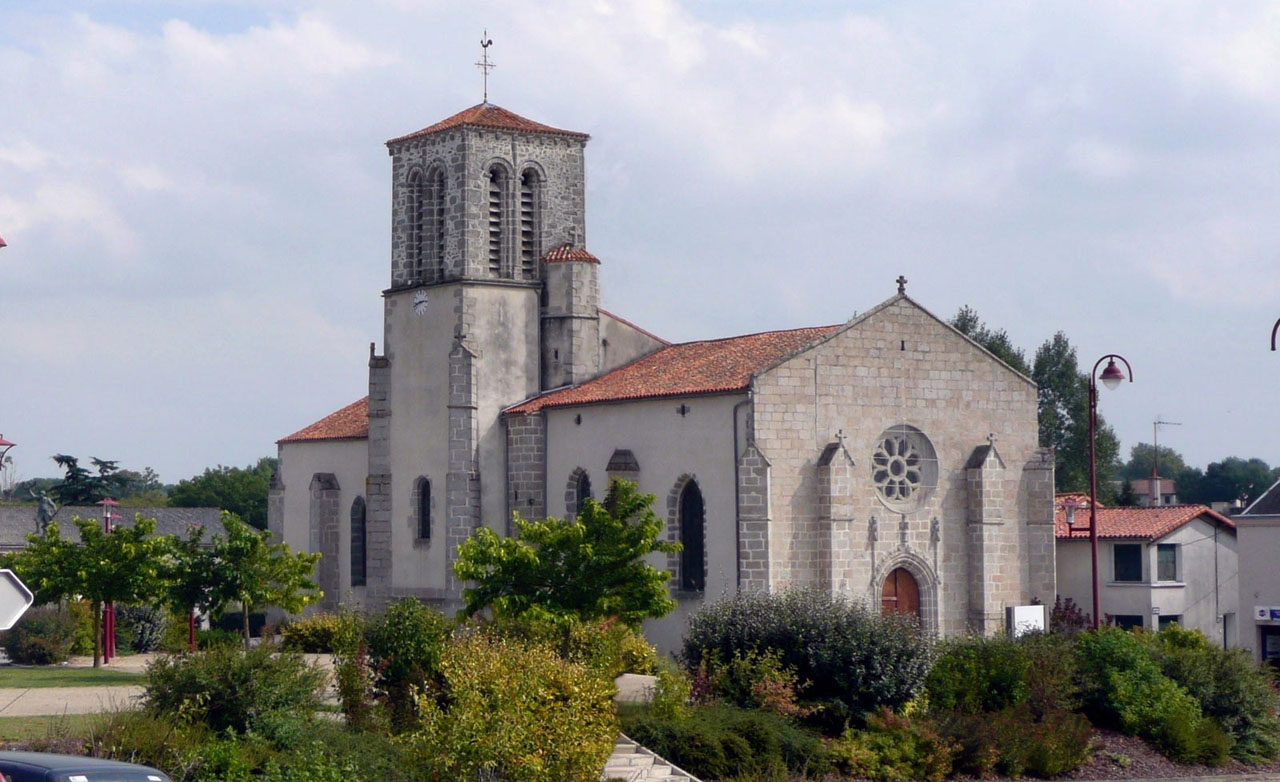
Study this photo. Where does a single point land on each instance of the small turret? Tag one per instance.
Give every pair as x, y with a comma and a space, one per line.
570, 316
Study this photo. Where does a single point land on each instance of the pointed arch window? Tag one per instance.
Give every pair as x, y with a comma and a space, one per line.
431, 259
414, 208
497, 197
577, 492
530, 223
422, 508
693, 566
359, 549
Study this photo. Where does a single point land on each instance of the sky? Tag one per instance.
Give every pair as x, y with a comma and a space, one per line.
196, 194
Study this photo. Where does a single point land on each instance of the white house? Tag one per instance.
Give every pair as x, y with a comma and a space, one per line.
1259, 531
1156, 565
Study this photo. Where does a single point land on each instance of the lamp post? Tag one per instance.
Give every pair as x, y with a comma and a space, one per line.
109, 610
1111, 377
1274, 330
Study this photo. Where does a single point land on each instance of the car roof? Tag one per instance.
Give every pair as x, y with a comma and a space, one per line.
64, 763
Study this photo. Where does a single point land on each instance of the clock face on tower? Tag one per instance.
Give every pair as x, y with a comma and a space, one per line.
419, 302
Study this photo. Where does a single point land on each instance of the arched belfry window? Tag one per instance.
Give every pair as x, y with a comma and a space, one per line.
422, 508
359, 557
530, 223
497, 198
432, 220
415, 206
693, 522
577, 492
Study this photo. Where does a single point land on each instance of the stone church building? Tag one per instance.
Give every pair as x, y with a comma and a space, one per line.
889, 457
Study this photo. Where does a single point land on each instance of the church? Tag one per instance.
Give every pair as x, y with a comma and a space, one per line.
888, 458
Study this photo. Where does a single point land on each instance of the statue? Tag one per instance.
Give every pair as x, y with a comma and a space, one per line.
45, 511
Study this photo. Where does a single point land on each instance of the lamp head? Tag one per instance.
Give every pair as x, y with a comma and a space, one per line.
1112, 376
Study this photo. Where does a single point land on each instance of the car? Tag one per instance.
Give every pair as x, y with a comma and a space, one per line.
46, 767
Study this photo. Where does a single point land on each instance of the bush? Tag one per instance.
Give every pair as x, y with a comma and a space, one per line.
1051, 673
515, 710
1015, 742
671, 694
405, 645
721, 741
142, 626
352, 671
217, 638
607, 645
312, 634
1124, 686
43, 636
893, 749
1229, 686
756, 680
83, 615
854, 659
141, 737
232, 690
976, 674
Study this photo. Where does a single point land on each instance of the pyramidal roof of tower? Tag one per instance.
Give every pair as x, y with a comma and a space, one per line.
491, 117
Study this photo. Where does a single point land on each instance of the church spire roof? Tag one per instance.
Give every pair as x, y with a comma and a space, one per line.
491, 117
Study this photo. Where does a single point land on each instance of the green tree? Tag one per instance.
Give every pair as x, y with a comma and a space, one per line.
120, 567
1232, 479
142, 489
190, 574
1064, 420
250, 570
1141, 460
560, 570
81, 486
967, 322
243, 491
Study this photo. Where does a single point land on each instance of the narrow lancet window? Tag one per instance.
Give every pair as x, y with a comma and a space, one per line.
497, 184
359, 561
530, 224
693, 567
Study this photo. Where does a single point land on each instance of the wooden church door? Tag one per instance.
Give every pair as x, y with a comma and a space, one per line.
901, 594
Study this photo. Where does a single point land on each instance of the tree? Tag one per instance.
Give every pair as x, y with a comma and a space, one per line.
1231, 479
80, 486
967, 322
120, 567
1141, 461
1064, 420
255, 573
241, 491
591, 567
190, 575
142, 489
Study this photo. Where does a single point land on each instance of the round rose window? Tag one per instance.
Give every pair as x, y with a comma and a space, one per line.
904, 468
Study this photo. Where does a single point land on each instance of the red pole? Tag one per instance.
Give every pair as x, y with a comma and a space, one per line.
109, 610
1093, 490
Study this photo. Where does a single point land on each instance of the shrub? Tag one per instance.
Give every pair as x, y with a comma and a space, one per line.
1051, 673
855, 660
671, 694
141, 737
722, 741
976, 674
1229, 686
142, 626
759, 680
1015, 742
83, 615
542, 719
43, 636
352, 671
1067, 618
607, 645
313, 634
405, 645
217, 638
233, 690
893, 749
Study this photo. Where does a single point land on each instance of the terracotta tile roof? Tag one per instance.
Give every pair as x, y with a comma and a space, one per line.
567, 252
487, 115
707, 367
349, 423
1150, 523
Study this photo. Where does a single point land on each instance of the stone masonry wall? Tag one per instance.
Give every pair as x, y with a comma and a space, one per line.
895, 365
526, 466
325, 498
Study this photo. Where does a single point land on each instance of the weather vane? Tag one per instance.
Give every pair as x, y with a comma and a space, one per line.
483, 64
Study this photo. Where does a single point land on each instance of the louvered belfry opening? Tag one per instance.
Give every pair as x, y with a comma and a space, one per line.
495, 221
529, 224
413, 234
434, 224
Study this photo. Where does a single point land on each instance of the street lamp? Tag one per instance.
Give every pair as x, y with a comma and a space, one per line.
1111, 377
1274, 329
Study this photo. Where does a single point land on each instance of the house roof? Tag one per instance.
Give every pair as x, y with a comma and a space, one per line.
17, 521
1149, 523
689, 368
349, 423
1268, 504
490, 117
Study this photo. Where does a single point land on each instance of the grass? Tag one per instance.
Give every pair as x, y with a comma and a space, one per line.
58, 676
46, 726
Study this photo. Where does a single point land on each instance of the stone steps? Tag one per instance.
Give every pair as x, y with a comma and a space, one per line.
633, 763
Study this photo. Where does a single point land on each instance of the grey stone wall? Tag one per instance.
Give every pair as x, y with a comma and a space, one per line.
325, 525
526, 466
570, 323
380, 573
753, 520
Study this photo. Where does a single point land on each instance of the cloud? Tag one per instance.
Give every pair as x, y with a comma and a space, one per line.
1097, 159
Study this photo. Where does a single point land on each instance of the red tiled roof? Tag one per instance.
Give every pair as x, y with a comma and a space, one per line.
567, 252
349, 423
711, 366
487, 115
1149, 523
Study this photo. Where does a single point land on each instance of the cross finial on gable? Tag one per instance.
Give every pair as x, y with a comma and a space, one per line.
840, 435
991, 438
902, 284
483, 64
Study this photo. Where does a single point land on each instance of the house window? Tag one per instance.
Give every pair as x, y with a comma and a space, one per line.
358, 558
1167, 562
1127, 621
1128, 561
424, 509
1165, 621
693, 567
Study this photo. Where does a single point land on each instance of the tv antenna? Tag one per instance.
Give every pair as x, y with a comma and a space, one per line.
1155, 456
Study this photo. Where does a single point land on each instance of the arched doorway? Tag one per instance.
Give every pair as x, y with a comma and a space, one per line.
901, 593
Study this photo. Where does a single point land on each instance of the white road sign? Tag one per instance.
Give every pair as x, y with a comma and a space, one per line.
15, 598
